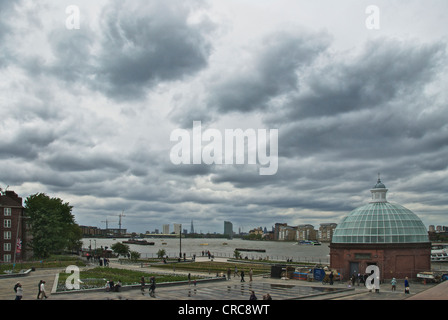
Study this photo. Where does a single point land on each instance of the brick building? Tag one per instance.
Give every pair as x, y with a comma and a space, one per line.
383, 234
13, 228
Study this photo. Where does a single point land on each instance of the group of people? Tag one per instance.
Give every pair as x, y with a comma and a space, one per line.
41, 293
97, 259
362, 279
407, 290
235, 274
111, 286
267, 296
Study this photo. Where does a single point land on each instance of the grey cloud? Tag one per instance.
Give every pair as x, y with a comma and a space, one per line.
147, 44
386, 70
273, 71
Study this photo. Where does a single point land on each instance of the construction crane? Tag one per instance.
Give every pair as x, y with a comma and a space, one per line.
119, 222
107, 225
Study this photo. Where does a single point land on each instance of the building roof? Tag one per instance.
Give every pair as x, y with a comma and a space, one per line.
380, 222
10, 199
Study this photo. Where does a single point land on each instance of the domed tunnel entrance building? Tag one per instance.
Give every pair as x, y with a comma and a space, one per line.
380, 233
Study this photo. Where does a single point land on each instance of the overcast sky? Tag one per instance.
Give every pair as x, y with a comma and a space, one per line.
87, 113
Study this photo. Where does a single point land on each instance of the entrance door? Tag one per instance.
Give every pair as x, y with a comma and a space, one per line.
354, 268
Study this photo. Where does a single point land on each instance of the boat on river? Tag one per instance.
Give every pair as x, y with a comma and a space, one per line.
254, 250
139, 242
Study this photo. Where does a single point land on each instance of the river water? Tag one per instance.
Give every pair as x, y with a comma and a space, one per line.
275, 250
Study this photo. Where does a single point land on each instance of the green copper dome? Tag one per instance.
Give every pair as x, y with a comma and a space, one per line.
380, 222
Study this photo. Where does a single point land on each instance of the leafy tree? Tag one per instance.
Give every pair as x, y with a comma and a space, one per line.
120, 248
135, 255
237, 254
161, 253
53, 225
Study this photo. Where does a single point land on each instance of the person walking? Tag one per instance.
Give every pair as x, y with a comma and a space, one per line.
242, 276
235, 272
19, 291
142, 283
406, 285
152, 287
38, 288
42, 291
251, 272
228, 273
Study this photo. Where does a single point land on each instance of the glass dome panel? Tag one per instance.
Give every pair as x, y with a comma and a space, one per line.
381, 222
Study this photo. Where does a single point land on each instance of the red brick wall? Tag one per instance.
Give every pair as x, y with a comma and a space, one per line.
393, 260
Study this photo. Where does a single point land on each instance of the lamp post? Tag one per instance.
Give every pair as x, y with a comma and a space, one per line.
180, 241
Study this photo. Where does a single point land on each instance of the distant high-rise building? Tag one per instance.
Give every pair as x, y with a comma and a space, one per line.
192, 228
166, 229
228, 229
177, 228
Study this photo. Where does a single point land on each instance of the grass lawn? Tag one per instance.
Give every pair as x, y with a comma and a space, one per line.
214, 267
97, 277
55, 261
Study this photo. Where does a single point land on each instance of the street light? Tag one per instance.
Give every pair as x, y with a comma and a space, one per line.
180, 241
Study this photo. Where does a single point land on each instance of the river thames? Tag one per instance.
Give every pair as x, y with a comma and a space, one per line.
275, 250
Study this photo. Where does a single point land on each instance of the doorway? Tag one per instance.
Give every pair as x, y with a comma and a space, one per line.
354, 268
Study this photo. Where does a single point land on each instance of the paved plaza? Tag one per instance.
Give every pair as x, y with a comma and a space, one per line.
233, 289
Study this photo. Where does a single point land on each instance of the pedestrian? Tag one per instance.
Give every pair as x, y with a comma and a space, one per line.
251, 272
118, 286
394, 284
38, 287
353, 280
252, 296
142, 283
330, 276
235, 272
267, 297
42, 291
19, 291
406, 285
242, 276
152, 287
228, 273
189, 278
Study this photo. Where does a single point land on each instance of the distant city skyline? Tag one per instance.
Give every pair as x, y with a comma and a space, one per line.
91, 92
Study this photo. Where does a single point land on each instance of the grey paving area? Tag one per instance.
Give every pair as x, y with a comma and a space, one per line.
233, 289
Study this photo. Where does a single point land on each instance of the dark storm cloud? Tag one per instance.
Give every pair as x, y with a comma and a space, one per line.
272, 71
149, 43
85, 111
386, 70
371, 105
254, 78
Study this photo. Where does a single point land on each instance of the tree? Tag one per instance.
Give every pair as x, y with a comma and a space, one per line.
120, 248
161, 253
135, 255
236, 254
53, 225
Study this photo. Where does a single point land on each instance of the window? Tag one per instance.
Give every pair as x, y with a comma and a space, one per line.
7, 258
7, 246
7, 223
7, 211
7, 235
